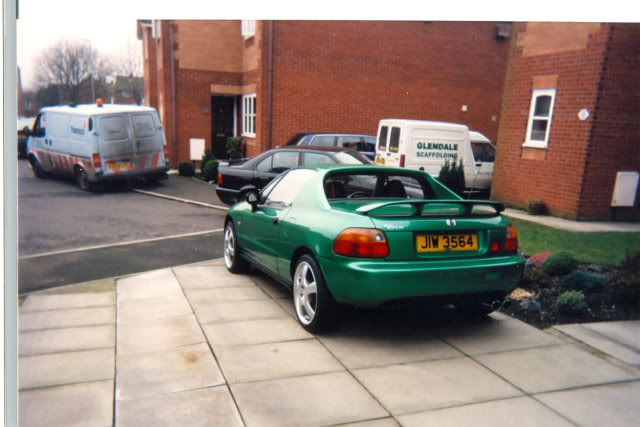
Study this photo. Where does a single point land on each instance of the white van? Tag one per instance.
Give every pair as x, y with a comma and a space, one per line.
426, 145
97, 143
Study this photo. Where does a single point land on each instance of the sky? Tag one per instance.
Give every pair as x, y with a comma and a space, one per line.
110, 25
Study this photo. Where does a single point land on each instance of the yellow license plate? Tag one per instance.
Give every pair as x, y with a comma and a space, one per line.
379, 161
120, 165
446, 242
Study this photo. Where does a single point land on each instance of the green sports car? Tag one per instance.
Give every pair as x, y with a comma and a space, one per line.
373, 236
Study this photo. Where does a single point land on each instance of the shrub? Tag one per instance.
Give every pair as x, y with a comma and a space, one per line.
582, 280
624, 287
571, 303
210, 170
559, 264
186, 169
452, 176
208, 155
534, 278
631, 261
234, 147
536, 207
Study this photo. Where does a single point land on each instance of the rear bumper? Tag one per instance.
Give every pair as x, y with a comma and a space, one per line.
373, 283
111, 176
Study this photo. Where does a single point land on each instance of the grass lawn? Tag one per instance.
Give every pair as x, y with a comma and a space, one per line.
601, 247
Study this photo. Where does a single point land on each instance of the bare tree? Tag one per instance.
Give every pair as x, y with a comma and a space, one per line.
128, 72
67, 64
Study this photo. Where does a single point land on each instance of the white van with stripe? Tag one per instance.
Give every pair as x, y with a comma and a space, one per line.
95, 143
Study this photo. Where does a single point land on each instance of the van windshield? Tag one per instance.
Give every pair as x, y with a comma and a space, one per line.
483, 152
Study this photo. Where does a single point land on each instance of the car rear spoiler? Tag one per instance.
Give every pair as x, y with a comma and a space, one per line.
419, 206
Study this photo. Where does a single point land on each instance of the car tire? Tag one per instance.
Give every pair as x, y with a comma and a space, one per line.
231, 251
315, 308
36, 167
82, 179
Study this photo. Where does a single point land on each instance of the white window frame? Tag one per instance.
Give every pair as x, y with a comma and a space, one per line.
249, 115
248, 28
534, 143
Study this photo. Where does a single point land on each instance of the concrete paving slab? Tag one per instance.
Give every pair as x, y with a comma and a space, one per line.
137, 311
496, 333
168, 371
287, 306
209, 277
163, 334
85, 404
153, 284
65, 368
365, 346
272, 288
244, 293
68, 318
238, 310
523, 411
553, 368
323, 399
436, 384
275, 360
193, 408
260, 331
42, 302
617, 339
384, 422
66, 339
608, 405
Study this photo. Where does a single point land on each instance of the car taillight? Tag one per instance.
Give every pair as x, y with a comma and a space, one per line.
511, 239
495, 246
361, 243
96, 161
220, 179
402, 160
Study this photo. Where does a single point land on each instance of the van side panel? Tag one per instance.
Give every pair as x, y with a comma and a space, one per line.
429, 147
58, 141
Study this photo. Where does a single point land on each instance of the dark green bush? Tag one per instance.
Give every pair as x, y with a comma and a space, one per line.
452, 176
582, 280
624, 287
210, 170
631, 261
559, 264
208, 155
572, 303
186, 169
535, 278
234, 147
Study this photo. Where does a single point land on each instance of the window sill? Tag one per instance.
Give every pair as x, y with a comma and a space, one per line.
249, 135
535, 144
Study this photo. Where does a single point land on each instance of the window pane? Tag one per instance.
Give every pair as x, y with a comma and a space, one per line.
317, 159
265, 165
325, 141
113, 128
284, 160
143, 125
382, 139
483, 152
543, 104
539, 130
289, 186
394, 140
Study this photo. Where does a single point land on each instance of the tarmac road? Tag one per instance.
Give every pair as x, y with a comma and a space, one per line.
66, 235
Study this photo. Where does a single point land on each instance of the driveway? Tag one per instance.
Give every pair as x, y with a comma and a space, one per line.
196, 345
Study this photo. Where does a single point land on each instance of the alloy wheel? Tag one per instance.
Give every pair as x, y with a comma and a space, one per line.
229, 246
305, 293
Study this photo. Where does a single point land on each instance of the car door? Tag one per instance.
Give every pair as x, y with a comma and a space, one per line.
273, 165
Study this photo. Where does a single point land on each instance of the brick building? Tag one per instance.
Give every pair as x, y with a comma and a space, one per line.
570, 118
268, 80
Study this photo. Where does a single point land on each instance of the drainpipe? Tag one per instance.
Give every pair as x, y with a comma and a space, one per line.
270, 88
173, 96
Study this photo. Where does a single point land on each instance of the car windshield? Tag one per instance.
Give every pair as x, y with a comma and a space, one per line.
351, 158
377, 185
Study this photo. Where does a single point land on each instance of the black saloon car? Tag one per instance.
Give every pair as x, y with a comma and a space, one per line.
365, 144
235, 180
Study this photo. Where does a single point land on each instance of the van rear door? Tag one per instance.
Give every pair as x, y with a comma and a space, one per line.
116, 143
148, 138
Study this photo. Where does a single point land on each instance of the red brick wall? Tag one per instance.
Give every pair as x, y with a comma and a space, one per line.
345, 76
615, 140
556, 174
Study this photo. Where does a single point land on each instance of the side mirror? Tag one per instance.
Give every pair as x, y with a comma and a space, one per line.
252, 199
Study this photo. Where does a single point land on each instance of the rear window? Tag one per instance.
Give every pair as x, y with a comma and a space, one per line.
382, 138
377, 185
351, 158
394, 140
324, 141
143, 125
113, 128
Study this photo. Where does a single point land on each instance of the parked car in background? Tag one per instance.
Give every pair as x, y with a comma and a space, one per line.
238, 178
373, 236
365, 144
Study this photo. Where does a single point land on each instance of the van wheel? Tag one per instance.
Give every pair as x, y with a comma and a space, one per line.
83, 180
38, 172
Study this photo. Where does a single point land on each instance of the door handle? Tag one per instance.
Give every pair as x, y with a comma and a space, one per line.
275, 221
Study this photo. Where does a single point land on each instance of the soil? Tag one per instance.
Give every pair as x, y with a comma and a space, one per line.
601, 305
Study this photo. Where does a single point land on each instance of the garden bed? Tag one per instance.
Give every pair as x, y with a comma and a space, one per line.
598, 293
